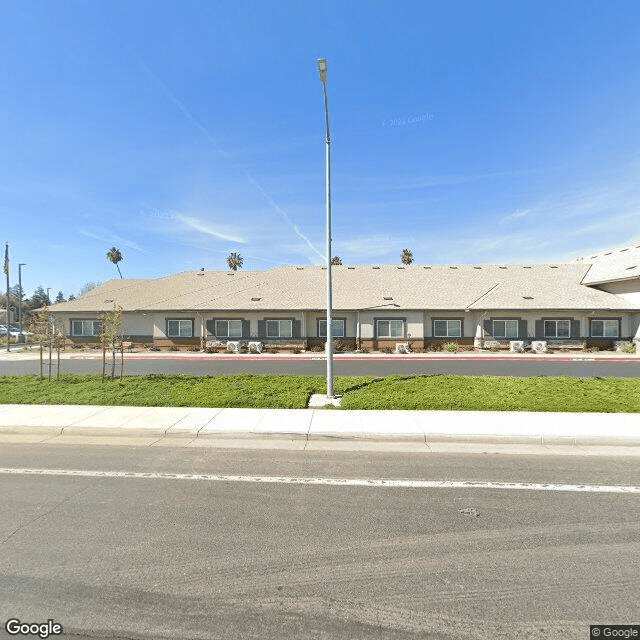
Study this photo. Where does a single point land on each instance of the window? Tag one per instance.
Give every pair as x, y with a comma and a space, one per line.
86, 327
279, 328
337, 328
557, 328
447, 328
390, 328
604, 328
180, 328
505, 328
229, 328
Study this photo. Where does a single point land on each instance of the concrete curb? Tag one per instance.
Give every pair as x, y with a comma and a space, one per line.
317, 425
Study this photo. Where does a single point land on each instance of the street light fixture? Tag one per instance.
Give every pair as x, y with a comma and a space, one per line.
322, 68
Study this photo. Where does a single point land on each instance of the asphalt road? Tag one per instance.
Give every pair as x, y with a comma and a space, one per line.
156, 557
213, 366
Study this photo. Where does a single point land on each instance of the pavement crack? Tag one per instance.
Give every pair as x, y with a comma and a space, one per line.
46, 513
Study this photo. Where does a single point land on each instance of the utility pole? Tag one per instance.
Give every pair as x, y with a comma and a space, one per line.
22, 264
6, 270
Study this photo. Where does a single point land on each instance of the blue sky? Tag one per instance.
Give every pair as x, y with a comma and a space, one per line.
181, 131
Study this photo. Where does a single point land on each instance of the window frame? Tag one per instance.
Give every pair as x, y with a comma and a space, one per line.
279, 321
333, 322
505, 335
604, 322
556, 321
448, 332
93, 328
228, 335
379, 336
179, 321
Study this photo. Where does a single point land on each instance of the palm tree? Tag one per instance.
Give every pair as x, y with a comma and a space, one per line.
234, 260
114, 255
406, 257
336, 260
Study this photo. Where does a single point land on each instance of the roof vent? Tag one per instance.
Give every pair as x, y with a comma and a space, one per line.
526, 267
108, 301
453, 267
299, 268
627, 249
387, 297
255, 299
399, 267
553, 266
375, 267
608, 253
426, 267
528, 297
325, 268
477, 267
502, 267
350, 267
633, 267
231, 273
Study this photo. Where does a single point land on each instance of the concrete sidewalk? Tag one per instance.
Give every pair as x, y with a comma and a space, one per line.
308, 425
17, 353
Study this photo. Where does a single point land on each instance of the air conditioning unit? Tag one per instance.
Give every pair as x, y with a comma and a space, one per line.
516, 346
233, 346
255, 347
539, 346
403, 347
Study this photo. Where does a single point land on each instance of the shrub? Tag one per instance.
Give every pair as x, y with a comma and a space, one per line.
364, 350
194, 348
319, 348
386, 350
628, 347
154, 348
243, 348
173, 347
212, 349
451, 347
297, 350
271, 350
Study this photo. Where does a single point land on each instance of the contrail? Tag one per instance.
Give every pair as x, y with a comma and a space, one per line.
207, 134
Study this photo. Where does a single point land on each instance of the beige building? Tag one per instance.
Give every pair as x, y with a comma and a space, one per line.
595, 299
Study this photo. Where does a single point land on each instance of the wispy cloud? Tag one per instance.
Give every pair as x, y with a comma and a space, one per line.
207, 228
110, 238
367, 249
518, 213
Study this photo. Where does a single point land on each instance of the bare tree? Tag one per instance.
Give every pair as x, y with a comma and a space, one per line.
114, 255
109, 334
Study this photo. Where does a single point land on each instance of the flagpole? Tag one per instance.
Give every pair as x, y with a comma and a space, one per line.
6, 270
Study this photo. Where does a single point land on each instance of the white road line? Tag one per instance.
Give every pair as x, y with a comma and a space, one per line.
339, 482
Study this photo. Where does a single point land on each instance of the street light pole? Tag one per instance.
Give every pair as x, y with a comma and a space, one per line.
22, 264
322, 68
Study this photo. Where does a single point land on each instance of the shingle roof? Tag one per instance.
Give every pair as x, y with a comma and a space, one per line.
616, 264
360, 287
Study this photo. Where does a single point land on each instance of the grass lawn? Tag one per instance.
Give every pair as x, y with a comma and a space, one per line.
474, 393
